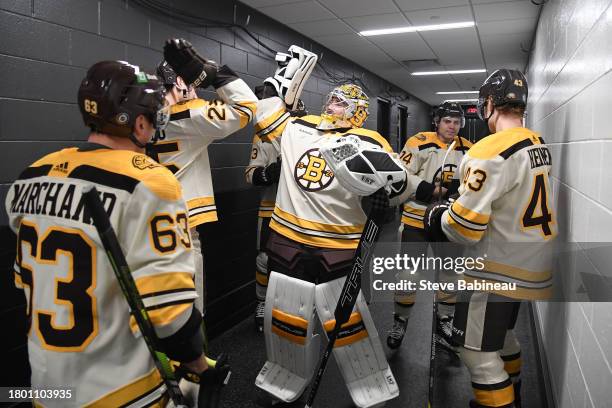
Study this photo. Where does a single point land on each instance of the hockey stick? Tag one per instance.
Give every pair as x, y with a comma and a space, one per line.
128, 287
349, 293
434, 320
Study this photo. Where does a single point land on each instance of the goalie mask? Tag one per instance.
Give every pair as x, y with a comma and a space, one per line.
363, 167
346, 107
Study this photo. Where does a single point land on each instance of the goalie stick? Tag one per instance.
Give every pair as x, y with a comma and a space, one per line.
128, 287
349, 293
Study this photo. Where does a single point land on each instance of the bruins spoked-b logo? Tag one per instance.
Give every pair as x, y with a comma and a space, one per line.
447, 174
311, 171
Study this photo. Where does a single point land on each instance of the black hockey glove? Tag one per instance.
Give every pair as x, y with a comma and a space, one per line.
452, 188
266, 176
185, 61
432, 221
211, 382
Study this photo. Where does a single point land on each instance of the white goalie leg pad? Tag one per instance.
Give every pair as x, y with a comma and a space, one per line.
358, 350
290, 346
294, 69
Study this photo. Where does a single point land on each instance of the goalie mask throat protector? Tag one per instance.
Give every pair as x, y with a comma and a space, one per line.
114, 93
346, 106
504, 86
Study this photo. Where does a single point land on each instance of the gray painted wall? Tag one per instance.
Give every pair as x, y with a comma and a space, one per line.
570, 83
46, 47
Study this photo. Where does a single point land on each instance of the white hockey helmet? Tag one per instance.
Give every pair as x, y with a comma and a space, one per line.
346, 106
360, 166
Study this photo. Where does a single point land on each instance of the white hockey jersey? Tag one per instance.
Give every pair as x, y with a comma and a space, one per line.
81, 333
423, 155
263, 154
311, 205
505, 211
183, 145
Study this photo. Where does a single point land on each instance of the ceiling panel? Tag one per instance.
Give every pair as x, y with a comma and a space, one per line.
523, 25
322, 28
409, 5
377, 21
440, 15
510, 44
298, 12
408, 46
352, 8
456, 46
265, 3
509, 10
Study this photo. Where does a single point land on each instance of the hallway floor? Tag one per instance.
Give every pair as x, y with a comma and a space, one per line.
410, 365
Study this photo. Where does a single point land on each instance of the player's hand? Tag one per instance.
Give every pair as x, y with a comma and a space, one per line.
188, 64
272, 171
439, 191
432, 221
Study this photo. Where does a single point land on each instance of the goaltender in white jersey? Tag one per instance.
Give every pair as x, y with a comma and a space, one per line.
315, 228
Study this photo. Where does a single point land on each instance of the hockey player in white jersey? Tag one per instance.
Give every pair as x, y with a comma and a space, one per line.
194, 124
264, 170
423, 155
81, 334
315, 228
503, 211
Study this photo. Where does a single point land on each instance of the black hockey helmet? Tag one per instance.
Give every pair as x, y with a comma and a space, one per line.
505, 86
451, 109
114, 93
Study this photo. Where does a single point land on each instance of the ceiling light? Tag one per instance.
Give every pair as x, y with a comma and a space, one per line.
461, 100
456, 92
411, 29
460, 71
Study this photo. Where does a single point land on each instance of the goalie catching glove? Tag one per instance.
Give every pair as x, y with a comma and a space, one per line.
294, 68
188, 64
363, 167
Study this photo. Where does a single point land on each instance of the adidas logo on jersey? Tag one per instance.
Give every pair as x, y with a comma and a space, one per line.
61, 167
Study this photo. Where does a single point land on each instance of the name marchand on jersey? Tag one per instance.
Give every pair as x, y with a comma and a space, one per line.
423, 155
78, 317
193, 126
311, 205
504, 210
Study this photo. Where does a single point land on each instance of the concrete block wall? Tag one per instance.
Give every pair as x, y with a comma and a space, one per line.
46, 47
570, 82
